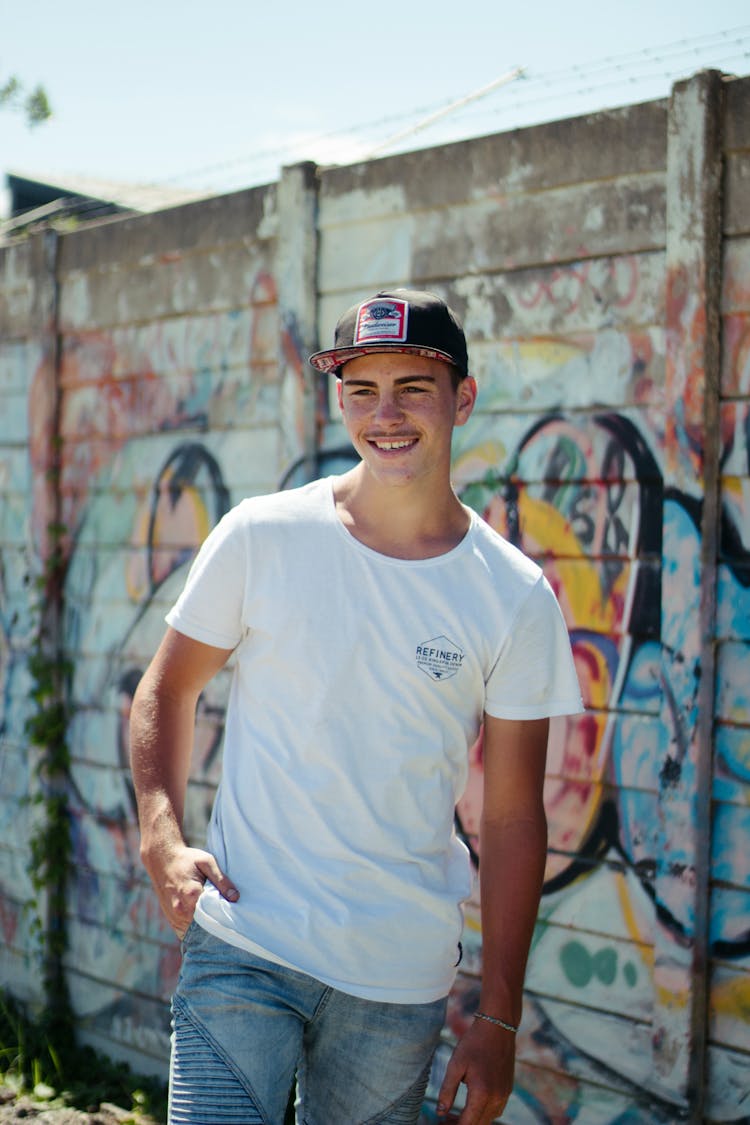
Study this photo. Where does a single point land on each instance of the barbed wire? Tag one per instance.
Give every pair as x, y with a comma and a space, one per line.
651, 64
529, 97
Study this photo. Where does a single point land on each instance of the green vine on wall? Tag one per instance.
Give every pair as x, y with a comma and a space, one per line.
46, 728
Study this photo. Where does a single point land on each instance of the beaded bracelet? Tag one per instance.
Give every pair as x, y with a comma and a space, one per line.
495, 1020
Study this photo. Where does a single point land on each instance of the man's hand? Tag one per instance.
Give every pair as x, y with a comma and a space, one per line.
484, 1060
178, 879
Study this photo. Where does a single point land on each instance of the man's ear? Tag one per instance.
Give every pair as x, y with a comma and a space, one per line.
466, 396
339, 393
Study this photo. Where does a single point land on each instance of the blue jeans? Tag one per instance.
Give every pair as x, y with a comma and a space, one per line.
243, 1026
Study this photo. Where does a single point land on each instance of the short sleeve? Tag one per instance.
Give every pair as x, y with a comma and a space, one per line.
210, 607
534, 676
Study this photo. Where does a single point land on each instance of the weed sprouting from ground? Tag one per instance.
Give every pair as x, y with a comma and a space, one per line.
34, 1061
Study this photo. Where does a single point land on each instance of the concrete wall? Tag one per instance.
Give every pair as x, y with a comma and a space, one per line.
602, 269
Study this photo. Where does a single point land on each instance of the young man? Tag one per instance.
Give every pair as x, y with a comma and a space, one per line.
376, 624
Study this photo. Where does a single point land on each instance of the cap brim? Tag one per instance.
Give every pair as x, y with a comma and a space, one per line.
333, 359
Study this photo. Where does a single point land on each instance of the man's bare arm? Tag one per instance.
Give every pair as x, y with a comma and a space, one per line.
162, 722
513, 846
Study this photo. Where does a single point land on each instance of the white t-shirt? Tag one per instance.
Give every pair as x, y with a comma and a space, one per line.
360, 681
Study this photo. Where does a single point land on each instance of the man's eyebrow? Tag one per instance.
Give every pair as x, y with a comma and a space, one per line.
354, 381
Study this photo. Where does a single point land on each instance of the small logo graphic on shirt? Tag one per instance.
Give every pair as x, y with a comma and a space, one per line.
439, 658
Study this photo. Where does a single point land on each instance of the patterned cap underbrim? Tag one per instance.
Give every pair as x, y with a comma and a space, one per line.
334, 358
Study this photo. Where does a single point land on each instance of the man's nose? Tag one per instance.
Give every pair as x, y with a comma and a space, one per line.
388, 407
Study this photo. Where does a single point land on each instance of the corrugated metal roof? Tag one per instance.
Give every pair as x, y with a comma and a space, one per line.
123, 196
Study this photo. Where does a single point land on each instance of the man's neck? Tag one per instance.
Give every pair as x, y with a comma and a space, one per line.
403, 522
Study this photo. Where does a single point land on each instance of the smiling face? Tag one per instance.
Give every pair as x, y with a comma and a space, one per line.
400, 410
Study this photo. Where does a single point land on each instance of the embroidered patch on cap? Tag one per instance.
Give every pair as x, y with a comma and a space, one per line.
382, 320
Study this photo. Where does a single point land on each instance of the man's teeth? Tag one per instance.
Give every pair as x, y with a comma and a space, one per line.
393, 444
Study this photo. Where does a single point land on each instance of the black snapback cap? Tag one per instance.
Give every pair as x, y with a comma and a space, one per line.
410, 321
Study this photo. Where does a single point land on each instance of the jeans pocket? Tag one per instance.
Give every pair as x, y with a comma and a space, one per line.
185, 940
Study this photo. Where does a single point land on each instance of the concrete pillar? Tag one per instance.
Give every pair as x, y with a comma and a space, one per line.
45, 393
296, 280
689, 557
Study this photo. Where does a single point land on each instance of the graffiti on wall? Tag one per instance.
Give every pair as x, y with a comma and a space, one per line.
585, 497
115, 635
148, 412
148, 471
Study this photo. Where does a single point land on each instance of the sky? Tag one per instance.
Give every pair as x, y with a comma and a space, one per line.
215, 96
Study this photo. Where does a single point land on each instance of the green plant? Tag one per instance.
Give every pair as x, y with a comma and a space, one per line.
33, 104
50, 845
57, 1072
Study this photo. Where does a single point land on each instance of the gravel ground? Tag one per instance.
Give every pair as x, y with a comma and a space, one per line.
27, 1110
